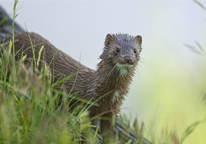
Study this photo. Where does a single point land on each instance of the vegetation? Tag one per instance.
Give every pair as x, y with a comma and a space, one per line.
177, 96
28, 109
29, 112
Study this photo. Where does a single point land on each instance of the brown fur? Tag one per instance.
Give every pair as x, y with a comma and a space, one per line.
99, 85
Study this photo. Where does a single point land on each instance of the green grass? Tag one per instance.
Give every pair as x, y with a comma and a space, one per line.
29, 111
28, 104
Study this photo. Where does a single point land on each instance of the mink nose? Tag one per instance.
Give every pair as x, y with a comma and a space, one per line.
128, 59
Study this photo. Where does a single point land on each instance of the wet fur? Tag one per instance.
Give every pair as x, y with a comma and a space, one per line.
108, 85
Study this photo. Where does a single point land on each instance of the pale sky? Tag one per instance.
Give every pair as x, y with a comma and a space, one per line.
81, 26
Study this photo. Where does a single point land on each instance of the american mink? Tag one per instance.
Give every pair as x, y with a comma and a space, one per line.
108, 85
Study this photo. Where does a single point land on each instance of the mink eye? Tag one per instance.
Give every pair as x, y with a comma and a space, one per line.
135, 51
117, 50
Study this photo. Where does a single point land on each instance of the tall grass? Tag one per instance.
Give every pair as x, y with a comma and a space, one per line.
178, 95
30, 110
28, 104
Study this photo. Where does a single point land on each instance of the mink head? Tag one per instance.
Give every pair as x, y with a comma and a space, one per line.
122, 50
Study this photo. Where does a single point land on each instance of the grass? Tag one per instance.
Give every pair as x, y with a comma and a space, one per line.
29, 111
29, 108
180, 109
172, 93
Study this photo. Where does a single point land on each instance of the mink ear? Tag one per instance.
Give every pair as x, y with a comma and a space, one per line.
108, 39
139, 39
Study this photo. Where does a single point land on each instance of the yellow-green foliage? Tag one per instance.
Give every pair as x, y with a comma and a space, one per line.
28, 109
177, 102
171, 93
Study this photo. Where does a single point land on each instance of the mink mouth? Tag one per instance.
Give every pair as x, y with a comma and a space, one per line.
124, 65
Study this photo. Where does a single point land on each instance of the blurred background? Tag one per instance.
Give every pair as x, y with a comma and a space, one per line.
168, 88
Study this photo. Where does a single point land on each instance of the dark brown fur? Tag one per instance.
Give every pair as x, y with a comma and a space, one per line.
100, 85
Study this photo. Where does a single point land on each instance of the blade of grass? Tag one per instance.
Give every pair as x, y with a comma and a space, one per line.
4, 19
42, 47
95, 134
33, 48
60, 81
14, 17
199, 46
193, 49
200, 5
86, 108
190, 129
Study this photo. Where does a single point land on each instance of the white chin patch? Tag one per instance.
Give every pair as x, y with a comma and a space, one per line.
123, 68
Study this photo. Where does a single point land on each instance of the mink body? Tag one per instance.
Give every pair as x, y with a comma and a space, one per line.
108, 85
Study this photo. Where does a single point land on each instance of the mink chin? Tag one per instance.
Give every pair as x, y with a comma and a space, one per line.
122, 51
106, 86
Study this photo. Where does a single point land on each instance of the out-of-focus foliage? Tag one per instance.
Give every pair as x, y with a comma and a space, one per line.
174, 94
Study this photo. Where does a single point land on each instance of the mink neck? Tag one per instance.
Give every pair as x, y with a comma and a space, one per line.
107, 79
106, 71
